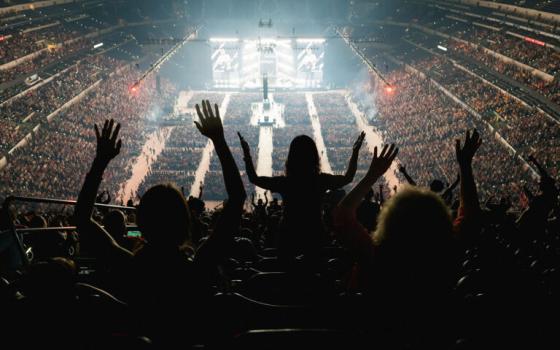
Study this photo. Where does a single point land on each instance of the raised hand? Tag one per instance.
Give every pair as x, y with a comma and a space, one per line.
244, 146
380, 164
210, 123
402, 169
107, 145
358, 143
466, 153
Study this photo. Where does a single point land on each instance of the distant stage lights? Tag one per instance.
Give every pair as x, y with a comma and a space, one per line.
389, 89
224, 40
310, 40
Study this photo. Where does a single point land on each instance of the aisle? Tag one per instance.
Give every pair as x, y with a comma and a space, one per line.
204, 165
141, 166
316, 124
264, 160
373, 138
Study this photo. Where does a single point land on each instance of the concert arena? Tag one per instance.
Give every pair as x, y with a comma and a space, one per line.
279, 174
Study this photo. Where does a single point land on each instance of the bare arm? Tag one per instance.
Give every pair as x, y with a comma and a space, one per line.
266, 182
469, 204
447, 195
348, 229
406, 175
210, 125
107, 148
353, 162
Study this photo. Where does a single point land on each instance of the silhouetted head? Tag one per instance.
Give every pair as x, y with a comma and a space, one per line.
303, 157
37, 221
436, 186
163, 216
115, 223
369, 195
260, 202
414, 238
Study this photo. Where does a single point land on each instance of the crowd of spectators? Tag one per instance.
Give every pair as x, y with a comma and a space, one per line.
49, 165
527, 130
23, 112
465, 264
423, 120
178, 161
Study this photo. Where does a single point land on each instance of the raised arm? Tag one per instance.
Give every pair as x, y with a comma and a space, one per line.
201, 190
90, 231
338, 181
469, 207
406, 175
540, 168
448, 193
379, 165
253, 203
266, 182
210, 125
349, 231
353, 162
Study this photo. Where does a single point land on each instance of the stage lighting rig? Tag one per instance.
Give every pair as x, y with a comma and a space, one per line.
263, 24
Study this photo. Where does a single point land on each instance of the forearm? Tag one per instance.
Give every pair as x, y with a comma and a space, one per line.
469, 195
250, 168
232, 179
352, 167
88, 193
409, 179
350, 203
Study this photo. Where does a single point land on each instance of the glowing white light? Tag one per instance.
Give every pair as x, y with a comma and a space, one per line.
309, 40
97, 45
442, 48
224, 40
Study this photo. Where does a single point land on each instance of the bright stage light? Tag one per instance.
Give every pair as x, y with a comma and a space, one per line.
389, 89
442, 48
224, 40
311, 41
97, 45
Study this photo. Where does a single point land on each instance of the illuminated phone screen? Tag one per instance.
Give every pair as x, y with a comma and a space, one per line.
134, 234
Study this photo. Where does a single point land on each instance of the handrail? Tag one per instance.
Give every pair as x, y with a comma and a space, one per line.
16, 232
62, 228
11, 199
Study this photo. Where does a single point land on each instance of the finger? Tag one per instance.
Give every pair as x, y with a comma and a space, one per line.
200, 114
116, 132
209, 109
97, 135
390, 150
457, 146
119, 144
104, 130
468, 136
394, 155
478, 143
110, 128
383, 151
204, 109
375, 152
217, 110
198, 126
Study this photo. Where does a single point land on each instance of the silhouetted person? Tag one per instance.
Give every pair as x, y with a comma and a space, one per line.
408, 265
302, 188
165, 285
